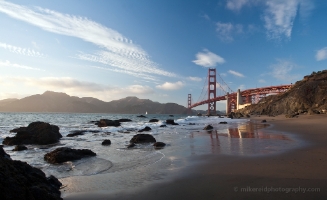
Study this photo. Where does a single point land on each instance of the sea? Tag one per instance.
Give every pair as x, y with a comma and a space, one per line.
236, 137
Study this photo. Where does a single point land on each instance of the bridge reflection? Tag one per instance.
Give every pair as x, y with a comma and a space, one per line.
245, 139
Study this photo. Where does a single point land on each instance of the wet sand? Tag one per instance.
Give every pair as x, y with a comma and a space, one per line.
281, 176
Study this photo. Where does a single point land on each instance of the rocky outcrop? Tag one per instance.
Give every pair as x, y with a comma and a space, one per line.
20, 148
171, 122
153, 120
208, 127
64, 154
145, 129
106, 142
142, 138
159, 145
19, 180
124, 120
75, 133
306, 96
107, 122
41, 133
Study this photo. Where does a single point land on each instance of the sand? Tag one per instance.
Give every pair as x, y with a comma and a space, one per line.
300, 173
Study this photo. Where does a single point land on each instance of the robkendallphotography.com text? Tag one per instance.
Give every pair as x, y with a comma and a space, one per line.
276, 189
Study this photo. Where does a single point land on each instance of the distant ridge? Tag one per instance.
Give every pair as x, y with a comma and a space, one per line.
61, 102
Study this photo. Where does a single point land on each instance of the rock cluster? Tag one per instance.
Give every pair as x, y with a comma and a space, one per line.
143, 138
22, 181
35, 133
64, 154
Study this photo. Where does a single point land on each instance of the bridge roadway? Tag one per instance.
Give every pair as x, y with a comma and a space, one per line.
247, 94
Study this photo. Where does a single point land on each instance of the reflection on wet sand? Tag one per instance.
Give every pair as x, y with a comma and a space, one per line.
245, 139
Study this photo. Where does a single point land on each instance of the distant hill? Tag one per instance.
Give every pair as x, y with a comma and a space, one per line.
306, 96
60, 102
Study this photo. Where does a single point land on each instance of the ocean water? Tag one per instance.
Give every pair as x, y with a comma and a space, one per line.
237, 137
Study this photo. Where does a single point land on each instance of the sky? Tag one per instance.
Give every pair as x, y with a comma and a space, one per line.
159, 50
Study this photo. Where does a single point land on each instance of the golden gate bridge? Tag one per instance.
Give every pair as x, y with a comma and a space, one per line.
218, 90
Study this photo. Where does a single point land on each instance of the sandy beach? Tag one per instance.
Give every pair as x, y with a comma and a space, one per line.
299, 173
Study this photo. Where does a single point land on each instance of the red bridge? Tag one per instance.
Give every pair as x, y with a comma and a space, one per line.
235, 100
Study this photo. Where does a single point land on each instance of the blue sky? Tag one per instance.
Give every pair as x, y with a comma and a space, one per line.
159, 50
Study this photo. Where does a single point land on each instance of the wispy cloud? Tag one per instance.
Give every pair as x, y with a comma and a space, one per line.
197, 79
171, 86
321, 54
9, 64
261, 81
279, 16
20, 50
282, 70
117, 51
226, 31
208, 59
235, 73
236, 5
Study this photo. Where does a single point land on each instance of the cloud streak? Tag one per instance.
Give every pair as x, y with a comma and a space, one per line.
235, 73
282, 70
208, 59
21, 51
117, 52
9, 64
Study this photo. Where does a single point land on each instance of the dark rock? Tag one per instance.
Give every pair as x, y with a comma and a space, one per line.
124, 120
20, 148
208, 127
141, 116
171, 115
107, 122
142, 138
263, 121
106, 142
64, 154
291, 115
153, 120
35, 133
19, 180
145, 129
159, 145
131, 145
3, 154
76, 133
163, 125
171, 121
199, 114
222, 122
191, 123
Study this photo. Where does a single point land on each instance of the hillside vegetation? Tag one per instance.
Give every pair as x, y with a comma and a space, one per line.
306, 96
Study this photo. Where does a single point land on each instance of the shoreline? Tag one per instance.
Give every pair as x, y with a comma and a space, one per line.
285, 175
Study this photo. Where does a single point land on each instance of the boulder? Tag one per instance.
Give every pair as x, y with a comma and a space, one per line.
263, 121
153, 120
159, 145
145, 129
208, 127
142, 138
106, 142
163, 125
223, 122
76, 133
20, 148
107, 122
171, 121
35, 133
142, 116
131, 145
64, 154
124, 120
19, 180
191, 123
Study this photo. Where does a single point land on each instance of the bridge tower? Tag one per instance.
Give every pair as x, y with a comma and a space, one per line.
189, 103
212, 91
